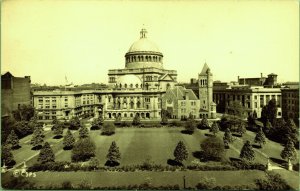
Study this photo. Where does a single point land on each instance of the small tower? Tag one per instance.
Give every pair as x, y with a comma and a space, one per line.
143, 33
205, 81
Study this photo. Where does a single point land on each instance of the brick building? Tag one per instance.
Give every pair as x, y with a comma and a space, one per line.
15, 91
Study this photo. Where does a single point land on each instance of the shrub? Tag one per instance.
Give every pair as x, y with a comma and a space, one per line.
206, 183
175, 124
136, 120
83, 150
242, 165
273, 182
213, 148
75, 124
108, 129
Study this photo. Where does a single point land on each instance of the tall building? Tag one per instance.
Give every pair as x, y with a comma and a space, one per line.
290, 103
205, 84
15, 91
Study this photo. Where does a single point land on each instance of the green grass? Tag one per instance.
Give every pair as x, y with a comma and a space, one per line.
156, 178
138, 144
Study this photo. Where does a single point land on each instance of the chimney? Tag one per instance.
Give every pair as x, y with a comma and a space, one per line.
186, 94
238, 79
261, 75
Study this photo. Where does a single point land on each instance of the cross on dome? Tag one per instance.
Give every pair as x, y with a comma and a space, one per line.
143, 33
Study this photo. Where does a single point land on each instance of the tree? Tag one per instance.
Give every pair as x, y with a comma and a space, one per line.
7, 157
164, 120
46, 154
113, 155
267, 127
241, 129
190, 125
57, 130
214, 128
251, 121
37, 138
289, 152
247, 152
96, 124
108, 129
83, 150
13, 140
272, 111
292, 131
24, 112
260, 137
235, 108
269, 112
203, 124
136, 120
213, 148
83, 132
180, 153
69, 140
75, 123
118, 120
94, 163
227, 137
254, 115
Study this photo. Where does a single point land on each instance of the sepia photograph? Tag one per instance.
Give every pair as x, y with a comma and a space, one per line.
150, 95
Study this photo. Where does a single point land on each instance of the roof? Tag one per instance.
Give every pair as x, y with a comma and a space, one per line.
7, 74
179, 93
143, 44
204, 69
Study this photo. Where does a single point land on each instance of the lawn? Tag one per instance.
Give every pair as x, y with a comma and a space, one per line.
158, 144
155, 178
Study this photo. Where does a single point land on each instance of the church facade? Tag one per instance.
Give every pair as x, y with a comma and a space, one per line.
143, 87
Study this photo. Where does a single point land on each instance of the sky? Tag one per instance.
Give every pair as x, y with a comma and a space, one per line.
81, 40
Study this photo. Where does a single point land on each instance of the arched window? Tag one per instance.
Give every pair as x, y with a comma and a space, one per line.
147, 86
147, 115
125, 86
142, 58
136, 85
139, 58
146, 58
120, 85
125, 114
131, 85
131, 114
131, 105
138, 104
168, 86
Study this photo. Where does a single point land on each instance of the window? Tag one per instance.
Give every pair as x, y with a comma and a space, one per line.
54, 106
255, 97
47, 106
40, 117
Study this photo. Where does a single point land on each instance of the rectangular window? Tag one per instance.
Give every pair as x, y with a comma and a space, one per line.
261, 99
255, 97
47, 106
40, 117
54, 106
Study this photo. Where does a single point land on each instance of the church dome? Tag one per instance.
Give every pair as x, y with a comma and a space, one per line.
129, 81
143, 54
144, 45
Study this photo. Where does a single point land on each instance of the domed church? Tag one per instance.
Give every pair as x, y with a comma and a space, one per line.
138, 88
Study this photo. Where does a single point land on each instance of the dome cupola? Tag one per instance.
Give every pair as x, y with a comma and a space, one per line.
143, 53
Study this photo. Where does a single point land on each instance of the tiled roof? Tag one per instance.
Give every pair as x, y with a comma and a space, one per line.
179, 93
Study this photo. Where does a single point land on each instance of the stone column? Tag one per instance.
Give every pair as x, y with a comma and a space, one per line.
290, 165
